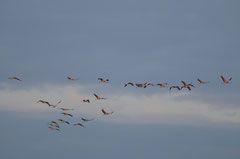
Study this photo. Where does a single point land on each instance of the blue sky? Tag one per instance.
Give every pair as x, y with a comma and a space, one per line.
42, 42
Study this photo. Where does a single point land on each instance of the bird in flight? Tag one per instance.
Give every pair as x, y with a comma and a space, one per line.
139, 85
226, 81
45, 102
86, 101
175, 87
103, 80
65, 109
54, 106
67, 114
71, 79
128, 83
98, 98
106, 113
63, 121
80, 124
163, 85
54, 128
54, 124
147, 84
15, 78
188, 86
202, 82
86, 120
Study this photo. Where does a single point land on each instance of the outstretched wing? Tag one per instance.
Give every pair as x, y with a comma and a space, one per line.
15, 78
96, 95
224, 80
104, 112
184, 82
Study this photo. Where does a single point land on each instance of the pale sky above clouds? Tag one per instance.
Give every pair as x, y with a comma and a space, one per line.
155, 41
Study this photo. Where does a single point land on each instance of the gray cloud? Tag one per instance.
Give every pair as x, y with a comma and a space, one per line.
181, 108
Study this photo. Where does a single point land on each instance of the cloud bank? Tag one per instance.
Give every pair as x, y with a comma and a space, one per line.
129, 107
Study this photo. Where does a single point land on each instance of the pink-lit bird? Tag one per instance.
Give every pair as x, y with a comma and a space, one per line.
15, 78
226, 81
162, 85
79, 124
202, 82
106, 113
128, 83
86, 120
63, 121
97, 97
186, 85
103, 80
86, 101
71, 79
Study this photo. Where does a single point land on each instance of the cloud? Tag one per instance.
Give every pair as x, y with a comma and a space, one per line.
129, 107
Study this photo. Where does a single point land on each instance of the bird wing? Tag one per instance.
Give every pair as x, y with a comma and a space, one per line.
224, 80
178, 88
96, 96
184, 82
130, 83
104, 112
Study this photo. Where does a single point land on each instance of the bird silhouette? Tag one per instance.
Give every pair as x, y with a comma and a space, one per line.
139, 85
188, 86
163, 85
45, 102
54, 123
103, 80
15, 78
65, 109
54, 128
128, 83
86, 101
226, 81
177, 87
202, 82
67, 114
97, 97
71, 79
86, 120
80, 124
106, 113
63, 121
54, 106
147, 84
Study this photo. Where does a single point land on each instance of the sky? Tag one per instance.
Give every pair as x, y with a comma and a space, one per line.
157, 41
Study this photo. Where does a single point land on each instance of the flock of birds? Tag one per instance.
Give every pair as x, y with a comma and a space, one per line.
54, 125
